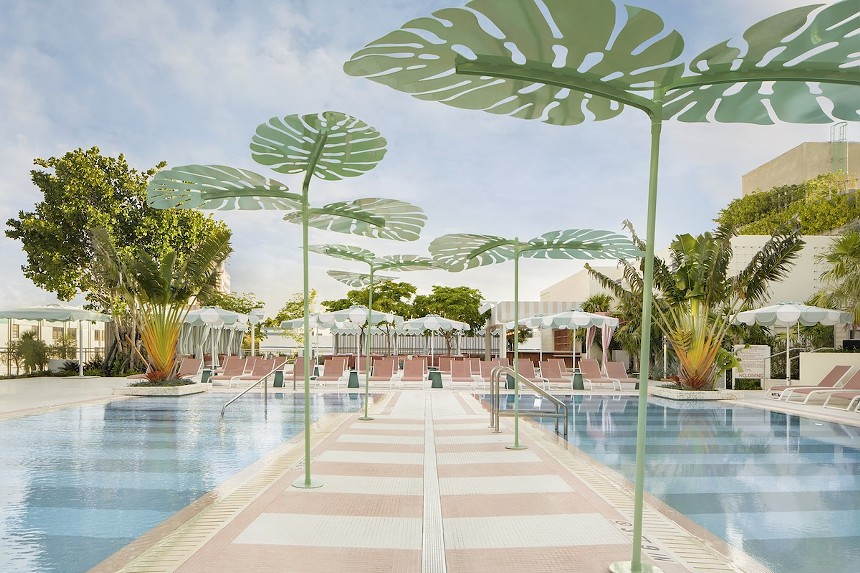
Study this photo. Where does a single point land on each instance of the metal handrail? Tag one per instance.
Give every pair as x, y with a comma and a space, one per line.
495, 400
245, 391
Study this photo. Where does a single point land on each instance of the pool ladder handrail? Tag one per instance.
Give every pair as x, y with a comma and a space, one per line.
561, 409
245, 391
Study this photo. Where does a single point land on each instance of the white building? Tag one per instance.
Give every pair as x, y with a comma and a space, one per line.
51, 332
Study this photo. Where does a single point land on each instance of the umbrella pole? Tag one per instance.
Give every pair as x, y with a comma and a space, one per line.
80, 351
788, 355
366, 417
516, 445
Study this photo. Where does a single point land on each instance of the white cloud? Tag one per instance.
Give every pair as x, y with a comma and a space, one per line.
188, 82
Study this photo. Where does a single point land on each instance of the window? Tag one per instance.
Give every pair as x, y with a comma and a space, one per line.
98, 335
57, 334
16, 331
561, 340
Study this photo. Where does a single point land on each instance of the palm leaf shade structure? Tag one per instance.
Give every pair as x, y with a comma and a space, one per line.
329, 145
564, 62
388, 263
788, 314
458, 252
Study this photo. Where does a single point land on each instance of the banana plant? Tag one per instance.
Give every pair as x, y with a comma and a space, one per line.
374, 263
461, 251
565, 62
329, 145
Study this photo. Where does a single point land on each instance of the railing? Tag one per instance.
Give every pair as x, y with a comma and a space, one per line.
246, 390
561, 410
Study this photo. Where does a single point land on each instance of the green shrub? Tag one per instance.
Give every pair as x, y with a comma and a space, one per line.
747, 384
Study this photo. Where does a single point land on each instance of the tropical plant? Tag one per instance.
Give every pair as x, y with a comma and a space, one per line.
454, 303
293, 309
159, 289
34, 352
83, 189
13, 355
697, 296
63, 347
842, 278
242, 303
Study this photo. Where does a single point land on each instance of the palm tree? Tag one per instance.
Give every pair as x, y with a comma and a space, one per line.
842, 279
697, 296
159, 290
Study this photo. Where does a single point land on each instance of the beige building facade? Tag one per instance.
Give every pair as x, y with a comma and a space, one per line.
802, 163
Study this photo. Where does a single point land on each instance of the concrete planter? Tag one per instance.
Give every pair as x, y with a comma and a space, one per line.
674, 394
162, 391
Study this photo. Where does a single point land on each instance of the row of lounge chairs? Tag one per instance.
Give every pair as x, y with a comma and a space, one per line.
247, 370
839, 389
468, 372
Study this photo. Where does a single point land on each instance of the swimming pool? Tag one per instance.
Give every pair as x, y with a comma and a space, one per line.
782, 488
78, 484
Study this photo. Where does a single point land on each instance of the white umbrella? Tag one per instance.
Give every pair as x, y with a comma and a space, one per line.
574, 319
213, 318
434, 323
59, 313
788, 314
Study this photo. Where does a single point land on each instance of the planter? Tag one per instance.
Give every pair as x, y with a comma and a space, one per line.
674, 394
162, 390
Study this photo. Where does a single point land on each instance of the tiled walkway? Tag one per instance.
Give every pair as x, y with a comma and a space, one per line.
426, 487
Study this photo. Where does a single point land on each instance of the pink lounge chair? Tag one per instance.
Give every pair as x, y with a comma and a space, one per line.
551, 372
445, 363
527, 371
461, 374
384, 370
831, 380
851, 397
262, 368
590, 369
853, 383
190, 369
618, 371
334, 371
233, 367
414, 372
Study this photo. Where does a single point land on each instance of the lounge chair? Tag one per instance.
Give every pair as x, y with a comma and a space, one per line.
486, 369
851, 397
414, 373
233, 368
384, 370
527, 371
618, 371
250, 361
461, 374
190, 369
831, 380
474, 365
853, 383
334, 371
591, 375
562, 366
551, 372
262, 368
445, 363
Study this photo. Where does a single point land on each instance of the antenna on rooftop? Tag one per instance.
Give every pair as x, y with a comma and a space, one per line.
839, 152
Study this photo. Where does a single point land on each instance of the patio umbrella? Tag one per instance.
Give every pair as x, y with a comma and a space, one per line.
788, 314
573, 320
59, 313
565, 63
329, 145
213, 319
458, 252
360, 316
434, 323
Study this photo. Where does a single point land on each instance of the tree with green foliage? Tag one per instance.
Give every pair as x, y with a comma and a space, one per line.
159, 289
818, 206
455, 303
842, 277
34, 352
84, 189
698, 297
293, 309
243, 303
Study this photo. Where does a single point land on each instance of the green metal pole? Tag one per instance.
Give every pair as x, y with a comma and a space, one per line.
306, 483
367, 348
636, 566
516, 445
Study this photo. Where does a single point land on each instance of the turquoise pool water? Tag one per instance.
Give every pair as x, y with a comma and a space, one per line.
782, 488
76, 485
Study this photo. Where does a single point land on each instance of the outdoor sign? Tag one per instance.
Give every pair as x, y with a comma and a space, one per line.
753, 359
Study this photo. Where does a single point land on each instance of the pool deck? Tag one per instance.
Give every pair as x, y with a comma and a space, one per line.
425, 486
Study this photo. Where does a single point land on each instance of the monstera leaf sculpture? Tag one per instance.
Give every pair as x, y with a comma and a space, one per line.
458, 252
389, 262
329, 145
564, 62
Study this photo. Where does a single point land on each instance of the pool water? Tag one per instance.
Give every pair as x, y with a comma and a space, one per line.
782, 488
78, 484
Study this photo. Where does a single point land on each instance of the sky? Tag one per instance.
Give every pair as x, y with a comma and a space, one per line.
189, 81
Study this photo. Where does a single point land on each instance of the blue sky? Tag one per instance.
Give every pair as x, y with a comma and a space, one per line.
189, 81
